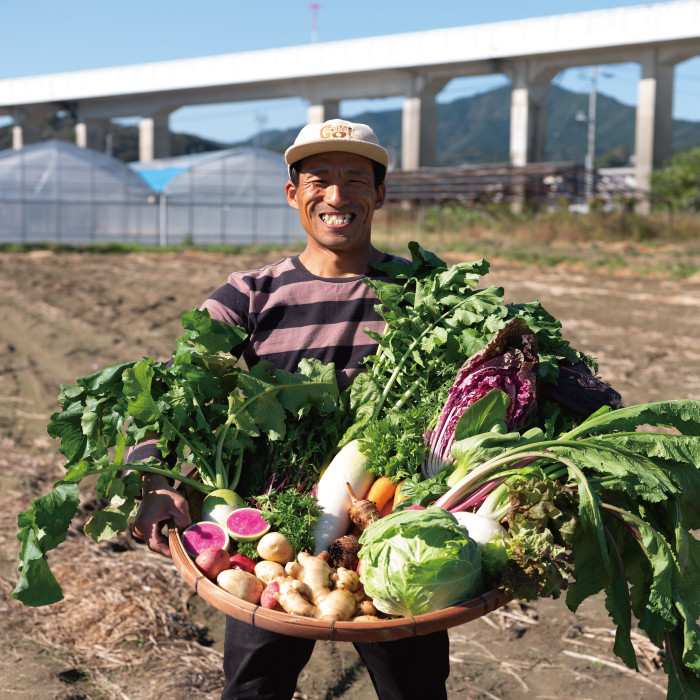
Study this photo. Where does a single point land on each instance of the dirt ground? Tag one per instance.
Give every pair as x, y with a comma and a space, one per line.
129, 627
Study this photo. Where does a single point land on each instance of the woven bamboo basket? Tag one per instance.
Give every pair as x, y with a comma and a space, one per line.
307, 628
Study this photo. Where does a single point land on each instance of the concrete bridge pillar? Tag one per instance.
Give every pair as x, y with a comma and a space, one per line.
419, 123
528, 110
320, 111
91, 133
154, 135
26, 127
654, 119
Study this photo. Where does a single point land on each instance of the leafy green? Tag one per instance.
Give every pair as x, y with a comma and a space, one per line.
42, 528
419, 491
436, 317
209, 414
395, 445
293, 514
635, 508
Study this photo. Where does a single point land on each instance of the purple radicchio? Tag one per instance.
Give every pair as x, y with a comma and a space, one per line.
507, 362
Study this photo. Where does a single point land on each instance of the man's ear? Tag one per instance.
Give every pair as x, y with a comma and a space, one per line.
291, 191
381, 196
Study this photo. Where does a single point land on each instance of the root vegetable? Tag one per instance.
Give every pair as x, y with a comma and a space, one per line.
362, 512
333, 497
267, 599
397, 494
381, 492
338, 604
211, 562
317, 577
241, 584
268, 571
343, 552
274, 546
346, 579
366, 618
293, 596
366, 607
240, 561
314, 572
219, 504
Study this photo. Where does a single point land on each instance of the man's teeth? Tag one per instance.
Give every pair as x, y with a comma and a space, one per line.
336, 219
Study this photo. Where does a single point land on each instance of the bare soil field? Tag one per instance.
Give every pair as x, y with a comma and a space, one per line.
130, 628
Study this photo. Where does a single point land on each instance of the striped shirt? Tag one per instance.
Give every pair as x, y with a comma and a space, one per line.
291, 314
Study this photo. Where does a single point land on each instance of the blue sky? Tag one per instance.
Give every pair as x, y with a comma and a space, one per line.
43, 36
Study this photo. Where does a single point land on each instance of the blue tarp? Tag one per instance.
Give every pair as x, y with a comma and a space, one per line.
157, 180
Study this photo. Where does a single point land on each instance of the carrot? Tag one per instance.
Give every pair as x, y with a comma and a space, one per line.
381, 491
388, 507
397, 494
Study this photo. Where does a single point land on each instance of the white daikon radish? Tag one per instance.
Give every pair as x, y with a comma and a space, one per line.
347, 467
480, 528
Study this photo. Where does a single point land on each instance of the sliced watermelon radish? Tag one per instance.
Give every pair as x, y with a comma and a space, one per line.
219, 504
246, 524
203, 535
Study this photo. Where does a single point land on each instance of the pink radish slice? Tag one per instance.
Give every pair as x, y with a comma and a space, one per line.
246, 524
204, 535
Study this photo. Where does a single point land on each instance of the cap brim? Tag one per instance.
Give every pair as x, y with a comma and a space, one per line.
360, 148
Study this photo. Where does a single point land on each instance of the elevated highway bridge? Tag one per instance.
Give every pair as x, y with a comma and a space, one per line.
414, 65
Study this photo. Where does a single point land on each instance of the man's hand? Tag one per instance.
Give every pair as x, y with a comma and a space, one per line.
161, 503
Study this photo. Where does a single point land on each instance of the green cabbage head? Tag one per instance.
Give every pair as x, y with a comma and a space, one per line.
419, 561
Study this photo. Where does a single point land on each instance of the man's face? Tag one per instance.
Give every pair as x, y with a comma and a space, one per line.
336, 199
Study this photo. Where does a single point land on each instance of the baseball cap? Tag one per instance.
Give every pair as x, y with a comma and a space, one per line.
337, 135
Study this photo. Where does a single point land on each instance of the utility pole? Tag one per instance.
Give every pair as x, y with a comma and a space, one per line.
315, 7
261, 119
591, 120
590, 151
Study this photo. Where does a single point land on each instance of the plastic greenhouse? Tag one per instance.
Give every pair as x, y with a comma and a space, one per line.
230, 197
55, 191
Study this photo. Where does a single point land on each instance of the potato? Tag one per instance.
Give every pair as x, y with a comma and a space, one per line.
274, 546
266, 571
241, 584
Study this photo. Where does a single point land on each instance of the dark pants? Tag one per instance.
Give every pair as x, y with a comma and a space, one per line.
262, 664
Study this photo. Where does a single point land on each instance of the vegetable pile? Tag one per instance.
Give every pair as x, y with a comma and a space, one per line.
490, 453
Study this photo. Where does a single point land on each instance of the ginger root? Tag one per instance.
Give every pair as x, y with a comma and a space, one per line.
329, 594
346, 579
365, 608
293, 597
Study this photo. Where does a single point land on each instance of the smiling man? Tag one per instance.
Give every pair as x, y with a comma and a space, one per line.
337, 172
312, 305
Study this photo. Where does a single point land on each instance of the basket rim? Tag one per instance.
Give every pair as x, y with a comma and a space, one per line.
298, 626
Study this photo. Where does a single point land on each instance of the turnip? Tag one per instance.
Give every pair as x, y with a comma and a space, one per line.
274, 546
211, 562
480, 528
241, 584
